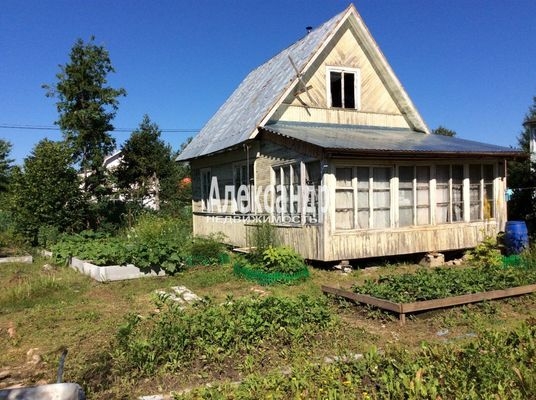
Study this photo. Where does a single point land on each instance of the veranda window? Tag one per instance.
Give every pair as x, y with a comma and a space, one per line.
367, 190
449, 193
413, 195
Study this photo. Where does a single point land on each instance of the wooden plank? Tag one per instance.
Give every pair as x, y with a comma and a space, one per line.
403, 308
362, 298
466, 299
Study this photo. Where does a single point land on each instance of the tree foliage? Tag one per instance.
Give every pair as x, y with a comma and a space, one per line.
87, 105
521, 176
441, 130
46, 191
146, 160
5, 164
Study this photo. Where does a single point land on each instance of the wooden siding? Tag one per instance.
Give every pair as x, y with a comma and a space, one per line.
377, 107
389, 242
298, 113
239, 233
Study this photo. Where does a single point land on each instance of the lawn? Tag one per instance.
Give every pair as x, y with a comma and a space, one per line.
48, 309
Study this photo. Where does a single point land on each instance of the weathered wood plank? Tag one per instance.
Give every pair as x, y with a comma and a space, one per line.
404, 308
466, 299
362, 298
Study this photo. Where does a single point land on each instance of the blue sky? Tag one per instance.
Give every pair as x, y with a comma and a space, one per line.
469, 65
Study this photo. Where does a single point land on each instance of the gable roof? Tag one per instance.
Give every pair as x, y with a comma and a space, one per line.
264, 89
352, 139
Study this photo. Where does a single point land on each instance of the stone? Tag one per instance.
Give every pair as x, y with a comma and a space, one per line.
5, 374
433, 260
48, 268
33, 356
11, 331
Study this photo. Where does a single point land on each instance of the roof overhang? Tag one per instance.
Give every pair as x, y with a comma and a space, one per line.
340, 141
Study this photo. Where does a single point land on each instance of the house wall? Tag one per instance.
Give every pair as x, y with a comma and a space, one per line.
377, 107
324, 239
393, 240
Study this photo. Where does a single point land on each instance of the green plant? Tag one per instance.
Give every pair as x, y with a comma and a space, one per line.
282, 259
262, 238
173, 338
207, 250
486, 254
495, 365
426, 284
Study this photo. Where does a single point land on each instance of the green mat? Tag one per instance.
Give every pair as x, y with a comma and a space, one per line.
269, 278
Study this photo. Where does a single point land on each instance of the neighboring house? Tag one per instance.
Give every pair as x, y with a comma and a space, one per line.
111, 163
324, 141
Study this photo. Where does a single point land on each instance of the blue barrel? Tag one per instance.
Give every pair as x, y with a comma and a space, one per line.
516, 237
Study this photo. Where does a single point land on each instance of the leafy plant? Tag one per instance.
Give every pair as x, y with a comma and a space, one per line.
486, 254
426, 284
495, 365
173, 338
263, 237
282, 259
207, 249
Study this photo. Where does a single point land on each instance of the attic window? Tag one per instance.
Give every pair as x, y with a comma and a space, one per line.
343, 86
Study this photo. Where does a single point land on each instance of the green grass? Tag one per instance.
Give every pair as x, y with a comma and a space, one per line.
62, 308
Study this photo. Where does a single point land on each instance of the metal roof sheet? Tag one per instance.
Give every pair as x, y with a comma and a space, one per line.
365, 138
244, 110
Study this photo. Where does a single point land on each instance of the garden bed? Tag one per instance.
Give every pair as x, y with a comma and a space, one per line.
405, 308
111, 272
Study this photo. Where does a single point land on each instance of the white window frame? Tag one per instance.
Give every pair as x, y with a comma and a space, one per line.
357, 86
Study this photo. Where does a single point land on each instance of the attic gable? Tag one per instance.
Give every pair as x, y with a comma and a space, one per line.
259, 97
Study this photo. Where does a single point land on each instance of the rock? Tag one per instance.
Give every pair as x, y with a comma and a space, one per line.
4, 375
433, 260
48, 268
33, 356
11, 331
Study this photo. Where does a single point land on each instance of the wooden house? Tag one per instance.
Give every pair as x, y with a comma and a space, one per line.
323, 141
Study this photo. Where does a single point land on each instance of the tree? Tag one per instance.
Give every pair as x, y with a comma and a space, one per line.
5, 161
86, 107
521, 176
46, 192
441, 130
146, 161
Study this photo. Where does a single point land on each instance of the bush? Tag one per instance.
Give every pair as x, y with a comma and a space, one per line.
282, 259
486, 254
207, 249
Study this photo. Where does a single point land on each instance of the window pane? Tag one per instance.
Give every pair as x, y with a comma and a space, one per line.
475, 175
405, 216
381, 219
489, 204
363, 218
344, 219
457, 193
336, 89
442, 213
381, 197
381, 178
405, 195
344, 177
344, 199
362, 174
349, 90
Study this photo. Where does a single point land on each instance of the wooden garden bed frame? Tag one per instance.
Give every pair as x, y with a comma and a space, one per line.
405, 308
